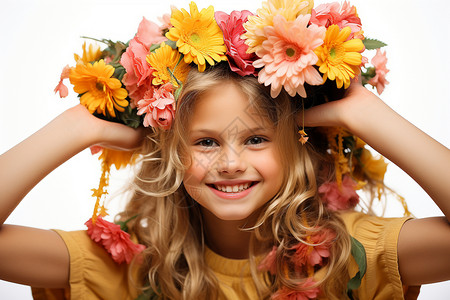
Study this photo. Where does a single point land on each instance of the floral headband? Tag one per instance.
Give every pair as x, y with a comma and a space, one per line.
287, 45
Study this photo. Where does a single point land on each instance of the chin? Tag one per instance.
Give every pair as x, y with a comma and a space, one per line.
234, 214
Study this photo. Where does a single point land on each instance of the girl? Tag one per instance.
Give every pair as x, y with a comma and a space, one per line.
230, 134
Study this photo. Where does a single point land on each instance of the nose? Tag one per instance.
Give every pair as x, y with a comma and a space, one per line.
230, 161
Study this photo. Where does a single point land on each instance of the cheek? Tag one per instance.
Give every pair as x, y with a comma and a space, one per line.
270, 165
197, 170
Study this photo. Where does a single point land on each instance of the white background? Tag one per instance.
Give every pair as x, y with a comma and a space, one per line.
39, 39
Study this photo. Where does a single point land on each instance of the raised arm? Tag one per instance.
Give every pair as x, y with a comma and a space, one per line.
424, 244
416, 153
33, 256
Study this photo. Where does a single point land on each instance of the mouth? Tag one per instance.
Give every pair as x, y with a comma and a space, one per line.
237, 188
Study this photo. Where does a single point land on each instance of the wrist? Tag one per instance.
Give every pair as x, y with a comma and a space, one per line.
83, 127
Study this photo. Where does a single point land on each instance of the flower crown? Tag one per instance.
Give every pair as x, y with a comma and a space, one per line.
287, 45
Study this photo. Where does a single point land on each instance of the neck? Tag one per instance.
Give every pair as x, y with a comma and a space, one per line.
227, 238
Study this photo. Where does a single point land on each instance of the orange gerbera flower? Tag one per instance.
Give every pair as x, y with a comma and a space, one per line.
339, 59
99, 92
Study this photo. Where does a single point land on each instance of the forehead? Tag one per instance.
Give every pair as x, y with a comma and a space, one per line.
225, 107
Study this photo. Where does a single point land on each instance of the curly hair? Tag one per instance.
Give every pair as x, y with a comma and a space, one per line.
169, 221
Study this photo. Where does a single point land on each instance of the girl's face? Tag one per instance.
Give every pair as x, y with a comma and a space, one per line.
236, 165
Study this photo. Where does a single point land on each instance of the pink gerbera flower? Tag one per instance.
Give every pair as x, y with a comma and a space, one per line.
113, 239
379, 61
287, 56
159, 107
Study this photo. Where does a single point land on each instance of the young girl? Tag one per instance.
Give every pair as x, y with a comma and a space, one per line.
226, 199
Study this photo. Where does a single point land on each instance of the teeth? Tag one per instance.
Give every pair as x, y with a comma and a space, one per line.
232, 188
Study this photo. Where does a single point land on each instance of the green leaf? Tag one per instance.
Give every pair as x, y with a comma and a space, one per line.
154, 47
172, 44
123, 224
119, 71
130, 118
372, 44
359, 254
178, 92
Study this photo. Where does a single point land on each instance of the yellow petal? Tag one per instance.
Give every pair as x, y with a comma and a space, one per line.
353, 58
355, 45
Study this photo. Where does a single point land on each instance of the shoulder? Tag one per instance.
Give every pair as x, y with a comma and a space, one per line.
366, 226
379, 236
92, 271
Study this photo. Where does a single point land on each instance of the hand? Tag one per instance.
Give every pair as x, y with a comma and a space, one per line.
358, 100
103, 133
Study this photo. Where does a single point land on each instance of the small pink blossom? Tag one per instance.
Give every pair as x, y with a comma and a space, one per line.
364, 61
139, 77
113, 239
165, 21
159, 107
61, 88
379, 61
232, 27
339, 198
287, 56
269, 262
313, 254
334, 13
288, 294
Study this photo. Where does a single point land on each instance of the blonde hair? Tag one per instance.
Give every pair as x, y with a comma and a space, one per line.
169, 221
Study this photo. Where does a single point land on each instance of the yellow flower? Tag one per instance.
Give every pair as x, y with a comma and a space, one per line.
92, 54
197, 35
119, 158
99, 92
339, 59
109, 157
289, 9
373, 168
164, 59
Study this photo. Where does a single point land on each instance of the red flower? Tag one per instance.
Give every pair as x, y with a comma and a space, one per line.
334, 13
113, 239
138, 78
313, 255
341, 198
379, 61
159, 107
287, 294
232, 27
269, 262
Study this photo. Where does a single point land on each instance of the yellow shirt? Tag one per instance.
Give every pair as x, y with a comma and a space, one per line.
93, 274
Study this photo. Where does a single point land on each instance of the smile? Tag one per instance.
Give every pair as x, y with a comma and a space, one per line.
233, 188
232, 192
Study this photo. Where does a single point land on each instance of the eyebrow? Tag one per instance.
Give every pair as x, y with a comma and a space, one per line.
246, 129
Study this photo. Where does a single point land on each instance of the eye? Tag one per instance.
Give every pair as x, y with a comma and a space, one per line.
207, 143
256, 140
